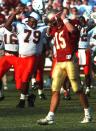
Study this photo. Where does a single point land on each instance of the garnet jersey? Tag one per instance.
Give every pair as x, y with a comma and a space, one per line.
10, 41
62, 43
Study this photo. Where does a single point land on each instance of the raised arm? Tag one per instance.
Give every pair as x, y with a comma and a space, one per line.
8, 23
69, 26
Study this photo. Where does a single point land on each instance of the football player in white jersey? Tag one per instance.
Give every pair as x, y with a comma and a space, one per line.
42, 45
10, 45
92, 33
28, 36
2, 21
84, 53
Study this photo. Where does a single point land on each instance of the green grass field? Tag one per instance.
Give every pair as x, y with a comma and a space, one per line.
68, 115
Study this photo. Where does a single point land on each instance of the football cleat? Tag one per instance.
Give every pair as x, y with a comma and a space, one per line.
92, 86
5, 88
86, 120
42, 97
87, 92
31, 100
36, 85
21, 104
45, 121
67, 97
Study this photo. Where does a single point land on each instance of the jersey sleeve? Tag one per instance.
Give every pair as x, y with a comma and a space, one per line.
1, 37
20, 27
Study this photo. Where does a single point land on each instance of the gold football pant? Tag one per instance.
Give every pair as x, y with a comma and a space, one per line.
61, 70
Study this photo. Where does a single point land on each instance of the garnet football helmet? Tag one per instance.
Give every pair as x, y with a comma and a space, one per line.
54, 18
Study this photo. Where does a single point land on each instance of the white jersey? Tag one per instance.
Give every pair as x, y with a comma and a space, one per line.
93, 36
42, 40
54, 53
28, 39
1, 38
83, 41
10, 40
1, 43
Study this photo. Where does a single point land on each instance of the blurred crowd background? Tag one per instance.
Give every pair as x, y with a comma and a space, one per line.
84, 7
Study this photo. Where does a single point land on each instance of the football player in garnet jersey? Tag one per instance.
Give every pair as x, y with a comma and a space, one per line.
61, 31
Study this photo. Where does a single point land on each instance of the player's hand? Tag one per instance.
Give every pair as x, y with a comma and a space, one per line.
92, 45
94, 37
19, 9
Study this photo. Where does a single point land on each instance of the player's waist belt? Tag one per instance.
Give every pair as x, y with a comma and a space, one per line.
83, 48
10, 53
24, 56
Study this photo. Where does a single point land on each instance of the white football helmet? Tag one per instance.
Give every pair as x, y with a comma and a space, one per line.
35, 15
